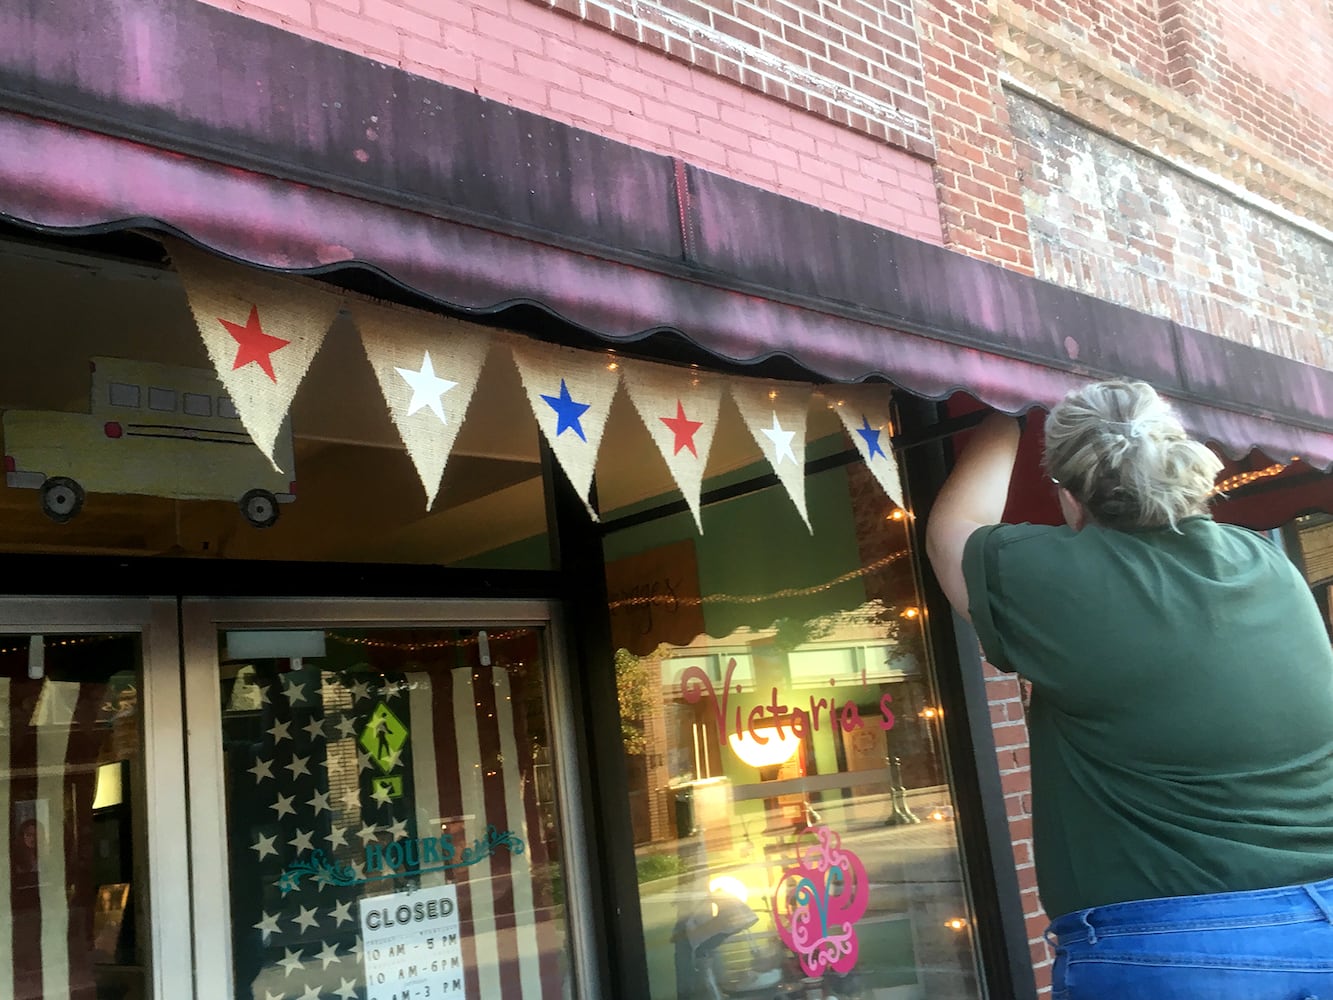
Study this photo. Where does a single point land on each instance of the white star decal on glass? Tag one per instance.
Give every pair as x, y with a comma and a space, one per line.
280, 731
428, 389
268, 924
315, 727
306, 918
382, 794
297, 767
346, 989
303, 840
364, 762
352, 798
291, 961
264, 845
359, 690
262, 769
283, 807
337, 837
320, 803
368, 833
295, 692
311, 993
263, 693
398, 830
274, 996
347, 727
781, 441
355, 949
328, 955
341, 912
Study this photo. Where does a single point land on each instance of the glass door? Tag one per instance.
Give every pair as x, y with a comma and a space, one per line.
376, 796
94, 901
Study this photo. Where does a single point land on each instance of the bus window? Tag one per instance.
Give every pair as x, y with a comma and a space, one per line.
162, 399
226, 408
124, 395
196, 404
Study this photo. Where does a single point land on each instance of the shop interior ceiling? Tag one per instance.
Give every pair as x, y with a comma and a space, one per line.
357, 494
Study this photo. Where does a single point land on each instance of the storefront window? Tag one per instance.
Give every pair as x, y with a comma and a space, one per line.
789, 794
391, 815
73, 907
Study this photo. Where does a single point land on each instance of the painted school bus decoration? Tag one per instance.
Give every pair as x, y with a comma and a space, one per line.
153, 430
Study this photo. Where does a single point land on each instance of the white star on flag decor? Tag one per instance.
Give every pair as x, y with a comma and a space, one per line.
775, 413
864, 411
679, 406
427, 368
261, 333
570, 393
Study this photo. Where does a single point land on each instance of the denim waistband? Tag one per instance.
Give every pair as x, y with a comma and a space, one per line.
1311, 901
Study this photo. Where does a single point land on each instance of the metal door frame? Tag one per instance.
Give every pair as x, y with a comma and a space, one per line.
162, 787
200, 621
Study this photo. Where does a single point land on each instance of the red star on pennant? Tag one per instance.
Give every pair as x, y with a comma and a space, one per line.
253, 344
683, 429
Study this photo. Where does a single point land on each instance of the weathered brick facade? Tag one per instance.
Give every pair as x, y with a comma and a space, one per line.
1173, 157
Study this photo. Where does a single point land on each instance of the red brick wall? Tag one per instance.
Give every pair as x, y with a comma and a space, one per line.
525, 55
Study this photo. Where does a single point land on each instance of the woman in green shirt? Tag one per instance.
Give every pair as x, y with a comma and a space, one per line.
1181, 719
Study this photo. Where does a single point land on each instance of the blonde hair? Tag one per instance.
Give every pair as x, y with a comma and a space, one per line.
1118, 448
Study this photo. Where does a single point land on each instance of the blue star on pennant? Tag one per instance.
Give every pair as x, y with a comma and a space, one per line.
871, 436
567, 412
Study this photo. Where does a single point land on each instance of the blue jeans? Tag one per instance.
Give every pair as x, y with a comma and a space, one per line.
1270, 944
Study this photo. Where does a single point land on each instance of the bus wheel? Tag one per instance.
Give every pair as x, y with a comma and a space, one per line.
61, 498
260, 508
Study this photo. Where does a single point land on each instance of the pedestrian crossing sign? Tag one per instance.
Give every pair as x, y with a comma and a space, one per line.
384, 737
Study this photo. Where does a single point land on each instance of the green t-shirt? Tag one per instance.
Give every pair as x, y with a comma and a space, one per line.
1182, 707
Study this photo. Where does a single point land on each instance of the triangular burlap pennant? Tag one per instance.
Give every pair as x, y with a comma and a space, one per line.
775, 413
570, 393
865, 412
261, 332
679, 406
427, 368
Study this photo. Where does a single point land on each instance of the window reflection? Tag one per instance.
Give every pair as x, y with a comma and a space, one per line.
788, 791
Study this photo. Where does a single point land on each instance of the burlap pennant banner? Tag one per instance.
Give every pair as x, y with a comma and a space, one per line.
865, 412
775, 413
427, 367
570, 393
679, 406
261, 333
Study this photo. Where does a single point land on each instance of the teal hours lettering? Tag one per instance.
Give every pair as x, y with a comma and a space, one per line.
403, 857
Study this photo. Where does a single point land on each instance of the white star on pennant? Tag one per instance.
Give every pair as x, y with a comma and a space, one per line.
280, 732
291, 961
306, 918
428, 389
264, 845
368, 833
283, 807
298, 767
320, 803
302, 840
268, 924
315, 727
781, 441
337, 837
346, 989
295, 692
347, 727
341, 912
328, 955
262, 769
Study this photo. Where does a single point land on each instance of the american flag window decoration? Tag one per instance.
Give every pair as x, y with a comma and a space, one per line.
391, 824
69, 883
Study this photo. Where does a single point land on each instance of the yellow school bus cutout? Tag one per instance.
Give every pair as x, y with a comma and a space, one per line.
153, 430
